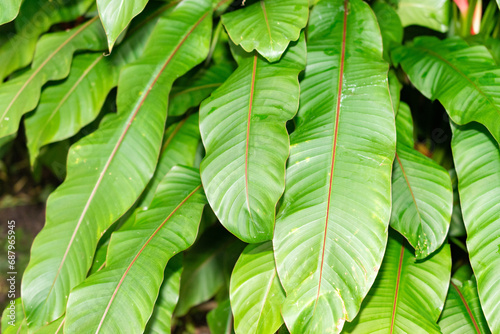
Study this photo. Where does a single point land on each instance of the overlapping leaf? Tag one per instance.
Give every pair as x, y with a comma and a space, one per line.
220, 319
137, 256
434, 14
463, 78
267, 26
408, 295
422, 194
52, 62
9, 10
243, 128
108, 169
35, 18
462, 312
477, 162
256, 292
331, 230
390, 26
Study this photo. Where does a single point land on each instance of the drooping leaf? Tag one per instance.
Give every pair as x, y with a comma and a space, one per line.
243, 128
422, 195
65, 108
462, 312
108, 169
136, 255
267, 26
160, 321
331, 230
256, 292
116, 15
408, 295
9, 10
35, 17
220, 319
188, 92
52, 62
390, 27
463, 78
477, 162
433, 14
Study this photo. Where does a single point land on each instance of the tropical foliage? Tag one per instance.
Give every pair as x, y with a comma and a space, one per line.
291, 166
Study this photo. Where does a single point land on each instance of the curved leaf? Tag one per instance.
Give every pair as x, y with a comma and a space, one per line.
243, 128
188, 92
35, 17
408, 295
477, 162
108, 169
390, 27
256, 292
52, 62
116, 15
167, 227
422, 193
267, 26
463, 78
160, 321
220, 319
433, 14
462, 312
331, 230
9, 10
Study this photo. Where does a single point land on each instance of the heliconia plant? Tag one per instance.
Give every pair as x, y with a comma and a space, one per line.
271, 166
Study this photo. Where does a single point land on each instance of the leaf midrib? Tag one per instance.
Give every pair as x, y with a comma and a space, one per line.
469, 311
396, 290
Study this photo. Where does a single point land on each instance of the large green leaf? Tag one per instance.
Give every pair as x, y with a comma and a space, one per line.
65, 108
160, 321
188, 92
462, 312
116, 15
35, 18
267, 25
434, 14
422, 195
477, 162
256, 292
108, 169
463, 78
52, 62
129, 284
243, 128
9, 10
408, 295
331, 230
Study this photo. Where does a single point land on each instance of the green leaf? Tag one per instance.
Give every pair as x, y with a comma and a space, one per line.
220, 319
462, 77
52, 61
35, 18
9, 10
422, 193
331, 230
108, 169
408, 295
116, 15
160, 321
267, 26
243, 128
127, 291
188, 92
13, 315
433, 14
65, 108
477, 162
390, 27
462, 312
256, 292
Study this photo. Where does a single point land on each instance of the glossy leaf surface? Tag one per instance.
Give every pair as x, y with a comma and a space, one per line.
243, 128
433, 14
331, 230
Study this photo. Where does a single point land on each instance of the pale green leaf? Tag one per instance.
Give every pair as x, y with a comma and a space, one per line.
9, 10
433, 14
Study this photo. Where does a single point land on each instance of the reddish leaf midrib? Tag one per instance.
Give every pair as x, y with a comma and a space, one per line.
396, 292
409, 185
469, 311
115, 149
334, 147
115, 292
